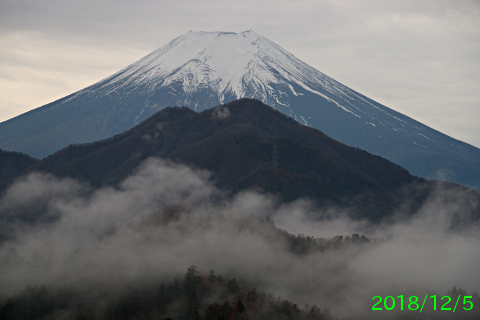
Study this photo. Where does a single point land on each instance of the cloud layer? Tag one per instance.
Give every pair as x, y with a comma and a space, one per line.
167, 217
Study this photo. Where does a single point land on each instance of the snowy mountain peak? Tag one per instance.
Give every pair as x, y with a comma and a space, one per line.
233, 64
204, 69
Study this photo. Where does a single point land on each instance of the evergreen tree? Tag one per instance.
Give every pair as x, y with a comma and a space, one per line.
212, 278
213, 312
191, 286
240, 306
232, 286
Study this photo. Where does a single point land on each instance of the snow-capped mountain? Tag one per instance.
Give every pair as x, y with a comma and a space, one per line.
203, 69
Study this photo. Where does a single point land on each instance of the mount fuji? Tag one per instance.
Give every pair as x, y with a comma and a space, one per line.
203, 69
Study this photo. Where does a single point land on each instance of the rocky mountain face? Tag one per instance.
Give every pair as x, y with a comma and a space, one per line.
200, 70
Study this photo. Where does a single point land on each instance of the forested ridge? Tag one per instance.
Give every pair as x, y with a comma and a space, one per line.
197, 296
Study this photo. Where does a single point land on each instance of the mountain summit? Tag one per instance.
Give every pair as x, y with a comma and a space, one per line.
203, 69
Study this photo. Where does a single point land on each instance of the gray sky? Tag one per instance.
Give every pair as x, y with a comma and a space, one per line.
421, 58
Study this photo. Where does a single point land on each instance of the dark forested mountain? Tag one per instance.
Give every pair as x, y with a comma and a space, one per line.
247, 144
203, 69
197, 296
11, 164
114, 246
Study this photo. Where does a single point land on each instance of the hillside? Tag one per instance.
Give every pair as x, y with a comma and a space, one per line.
200, 70
246, 144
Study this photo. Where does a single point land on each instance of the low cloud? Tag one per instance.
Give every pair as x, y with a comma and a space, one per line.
221, 113
166, 217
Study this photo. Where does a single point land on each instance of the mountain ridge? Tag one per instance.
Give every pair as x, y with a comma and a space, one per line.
203, 69
236, 142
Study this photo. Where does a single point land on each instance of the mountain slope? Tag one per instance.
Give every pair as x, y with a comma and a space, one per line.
236, 142
11, 165
203, 69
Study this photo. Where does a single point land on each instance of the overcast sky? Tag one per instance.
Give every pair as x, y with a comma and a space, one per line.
419, 57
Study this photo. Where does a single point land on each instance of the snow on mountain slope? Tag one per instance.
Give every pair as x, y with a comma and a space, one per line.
203, 69
229, 63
